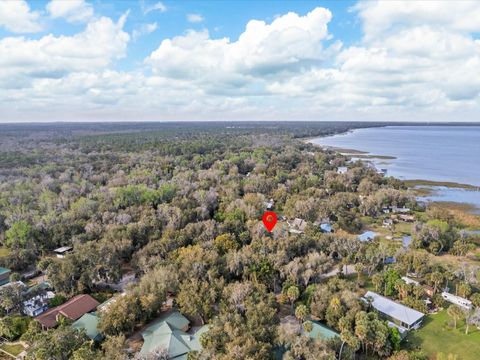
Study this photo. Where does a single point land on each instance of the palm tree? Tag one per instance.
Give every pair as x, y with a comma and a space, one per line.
456, 313
293, 293
301, 313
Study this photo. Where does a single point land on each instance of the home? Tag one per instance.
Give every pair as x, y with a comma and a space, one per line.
406, 218
342, 170
297, 226
89, 323
399, 314
4, 276
170, 333
73, 309
326, 228
457, 300
402, 210
387, 223
62, 251
367, 236
320, 331
389, 260
269, 205
37, 304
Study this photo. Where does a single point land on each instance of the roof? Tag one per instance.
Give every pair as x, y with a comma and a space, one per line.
168, 334
320, 331
393, 309
63, 249
326, 227
89, 322
73, 309
367, 236
4, 270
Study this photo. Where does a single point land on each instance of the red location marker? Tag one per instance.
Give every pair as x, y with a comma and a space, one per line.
269, 220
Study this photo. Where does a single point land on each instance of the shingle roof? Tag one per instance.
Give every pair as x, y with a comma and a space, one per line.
393, 309
73, 309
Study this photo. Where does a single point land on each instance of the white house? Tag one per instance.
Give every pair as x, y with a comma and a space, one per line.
410, 281
457, 300
37, 304
342, 170
402, 315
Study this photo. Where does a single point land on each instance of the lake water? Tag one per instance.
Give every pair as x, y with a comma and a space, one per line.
437, 153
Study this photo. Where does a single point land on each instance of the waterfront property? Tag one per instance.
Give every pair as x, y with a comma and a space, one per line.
4, 276
170, 333
399, 314
73, 309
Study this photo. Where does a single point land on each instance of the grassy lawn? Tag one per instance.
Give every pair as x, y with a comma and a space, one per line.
4, 251
14, 349
437, 336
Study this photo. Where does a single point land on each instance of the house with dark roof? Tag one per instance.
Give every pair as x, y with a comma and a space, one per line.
73, 309
170, 333
4, 276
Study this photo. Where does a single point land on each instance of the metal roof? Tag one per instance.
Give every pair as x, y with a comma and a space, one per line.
393, 309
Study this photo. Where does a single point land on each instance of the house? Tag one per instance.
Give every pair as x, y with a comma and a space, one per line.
269, 205
320, 331
387, 223
401, 315
106, 304
406, 217
170, 333
73, 309
386, 210
62, 251
89, 323
367, 236
37, 304
326, 228
389, 260
297, 226
457, 300
342, 170
403, 210
4, 276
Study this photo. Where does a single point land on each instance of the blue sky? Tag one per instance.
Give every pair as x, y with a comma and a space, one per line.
217, 60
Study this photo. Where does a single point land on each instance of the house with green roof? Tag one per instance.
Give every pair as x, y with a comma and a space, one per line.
170, 333
4, 276
320, 331
89, 322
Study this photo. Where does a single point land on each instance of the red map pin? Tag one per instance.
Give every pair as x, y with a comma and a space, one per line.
269, 220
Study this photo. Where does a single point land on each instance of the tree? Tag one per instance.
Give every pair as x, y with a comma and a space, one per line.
114, 348
197, 298
475, 299
455, 312
464, 289
301, 313
18, 235
292, 294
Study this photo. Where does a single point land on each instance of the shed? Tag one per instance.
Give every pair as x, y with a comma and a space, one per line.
62, 251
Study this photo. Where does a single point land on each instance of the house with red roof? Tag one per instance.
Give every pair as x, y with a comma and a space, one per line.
73, 310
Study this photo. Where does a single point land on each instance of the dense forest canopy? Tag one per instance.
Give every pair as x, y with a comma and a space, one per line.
179, 206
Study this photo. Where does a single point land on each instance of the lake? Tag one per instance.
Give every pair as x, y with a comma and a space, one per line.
436, 153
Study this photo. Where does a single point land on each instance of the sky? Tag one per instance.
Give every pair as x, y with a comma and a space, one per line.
78, 60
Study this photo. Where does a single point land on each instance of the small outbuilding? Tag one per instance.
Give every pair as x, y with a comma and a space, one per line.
457, 300
4, 276
62, 251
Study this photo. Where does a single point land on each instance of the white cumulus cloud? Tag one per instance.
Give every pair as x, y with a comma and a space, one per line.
72, 10
16, 16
